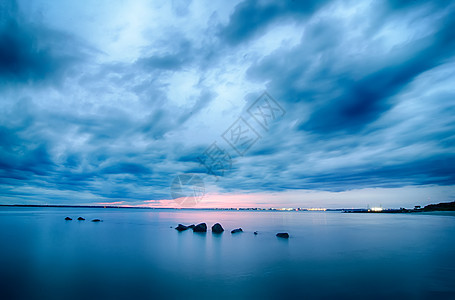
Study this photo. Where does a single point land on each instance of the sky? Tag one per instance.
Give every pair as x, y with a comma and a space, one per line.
245, 103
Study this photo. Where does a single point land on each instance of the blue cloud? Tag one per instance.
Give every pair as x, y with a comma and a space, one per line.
252, 18
31, 52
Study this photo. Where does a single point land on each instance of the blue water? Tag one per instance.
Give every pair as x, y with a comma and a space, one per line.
134, 254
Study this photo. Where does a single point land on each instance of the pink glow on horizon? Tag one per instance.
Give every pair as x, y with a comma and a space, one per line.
356, 198
208, 201
211, 201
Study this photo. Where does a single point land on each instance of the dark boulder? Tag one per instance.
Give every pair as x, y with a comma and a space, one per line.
284, 235
68, 219
191, 226
217, 228
80, 219
181, 227
255, 233
96, 220
237, 230
200, 228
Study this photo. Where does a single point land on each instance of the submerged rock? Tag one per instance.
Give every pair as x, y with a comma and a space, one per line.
181, 227
237, 230
200, 228
284, 235
80, 219
217, 228
96, 220
68, 219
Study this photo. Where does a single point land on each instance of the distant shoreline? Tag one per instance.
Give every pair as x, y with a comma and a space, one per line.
72, 206
440, 207
172, 208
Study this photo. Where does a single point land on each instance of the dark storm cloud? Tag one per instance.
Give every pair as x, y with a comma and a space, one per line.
126, 168
298, 172
351, 102
23, 160
344, 94
106, 166
366, 99
252, 18
30, 52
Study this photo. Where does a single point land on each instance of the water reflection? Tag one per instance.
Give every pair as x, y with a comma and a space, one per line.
135, 253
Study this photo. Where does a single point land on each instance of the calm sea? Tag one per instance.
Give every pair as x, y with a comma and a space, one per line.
134, 254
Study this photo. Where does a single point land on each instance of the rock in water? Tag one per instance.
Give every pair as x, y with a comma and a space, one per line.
68, 219
81, 219
255, 233
200, 228
217, 228
237, 230
96, 220
191, 226
284, 235
181, 227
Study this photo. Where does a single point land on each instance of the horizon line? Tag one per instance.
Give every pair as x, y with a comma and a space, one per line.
190, 208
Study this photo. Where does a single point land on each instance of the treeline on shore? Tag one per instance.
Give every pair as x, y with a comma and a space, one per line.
447, 206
